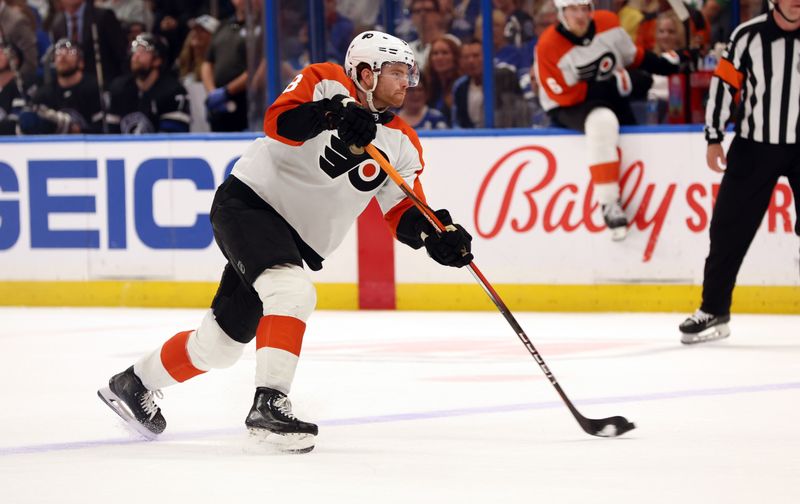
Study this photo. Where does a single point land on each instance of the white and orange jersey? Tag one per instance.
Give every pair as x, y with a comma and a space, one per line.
316, 183
565, 64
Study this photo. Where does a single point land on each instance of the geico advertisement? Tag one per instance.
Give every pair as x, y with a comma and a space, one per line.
139, 209
75, 210
528, 202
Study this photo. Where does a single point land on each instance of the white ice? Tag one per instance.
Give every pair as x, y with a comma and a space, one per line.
412, 407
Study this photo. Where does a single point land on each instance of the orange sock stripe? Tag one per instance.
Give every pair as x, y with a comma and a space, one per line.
278, 331
605, 173
175, 358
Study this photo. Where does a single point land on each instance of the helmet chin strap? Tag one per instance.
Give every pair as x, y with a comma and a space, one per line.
778, 8
369, 93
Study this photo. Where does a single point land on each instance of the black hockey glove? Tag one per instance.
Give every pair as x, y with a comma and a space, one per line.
354, 124
451, 247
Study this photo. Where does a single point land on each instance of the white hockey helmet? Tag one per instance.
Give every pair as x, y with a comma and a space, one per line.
562, 4
378, 49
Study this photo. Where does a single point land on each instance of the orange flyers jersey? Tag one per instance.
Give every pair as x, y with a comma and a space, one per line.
565, 63
318, 185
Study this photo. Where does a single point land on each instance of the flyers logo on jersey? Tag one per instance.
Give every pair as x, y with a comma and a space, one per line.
362, 171
599, 69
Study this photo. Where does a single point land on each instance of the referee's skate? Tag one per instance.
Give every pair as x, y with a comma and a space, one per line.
701, 327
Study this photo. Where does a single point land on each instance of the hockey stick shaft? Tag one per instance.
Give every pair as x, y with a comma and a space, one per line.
484, 283
98, 65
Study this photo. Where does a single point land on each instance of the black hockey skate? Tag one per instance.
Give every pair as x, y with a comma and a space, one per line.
271, 422
130, 400
702, 326
616, 221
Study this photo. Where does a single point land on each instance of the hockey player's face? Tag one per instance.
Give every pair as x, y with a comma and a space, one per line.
392, 85
578, 18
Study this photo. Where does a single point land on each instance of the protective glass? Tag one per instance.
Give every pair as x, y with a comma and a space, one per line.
401, 71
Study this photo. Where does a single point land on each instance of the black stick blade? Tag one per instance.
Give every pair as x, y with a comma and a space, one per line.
607, 427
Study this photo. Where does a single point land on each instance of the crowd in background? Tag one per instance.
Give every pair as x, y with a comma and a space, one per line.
197, 65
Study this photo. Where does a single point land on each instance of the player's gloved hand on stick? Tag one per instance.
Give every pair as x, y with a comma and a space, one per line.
451, 247
217, 100
354, 124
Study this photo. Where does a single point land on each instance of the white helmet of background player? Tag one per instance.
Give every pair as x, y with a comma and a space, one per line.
563, 4
378, 49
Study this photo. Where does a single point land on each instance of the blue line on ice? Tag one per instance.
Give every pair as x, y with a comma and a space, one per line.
402, 417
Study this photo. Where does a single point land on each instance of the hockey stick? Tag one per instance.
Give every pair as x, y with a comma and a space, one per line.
604, 427
98, 66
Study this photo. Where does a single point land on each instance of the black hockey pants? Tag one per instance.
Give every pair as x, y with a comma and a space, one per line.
744, 196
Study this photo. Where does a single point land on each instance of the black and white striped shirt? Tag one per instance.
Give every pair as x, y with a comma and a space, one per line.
763, 62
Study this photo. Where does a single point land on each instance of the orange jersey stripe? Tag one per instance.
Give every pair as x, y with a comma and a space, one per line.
175, 358
392, 217
301, 90
727, 72
605, 173
282, 332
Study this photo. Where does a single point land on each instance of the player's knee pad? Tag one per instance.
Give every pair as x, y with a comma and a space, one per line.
286, 290
210, 348
602, 135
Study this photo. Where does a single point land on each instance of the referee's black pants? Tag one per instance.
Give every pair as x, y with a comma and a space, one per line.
744, 196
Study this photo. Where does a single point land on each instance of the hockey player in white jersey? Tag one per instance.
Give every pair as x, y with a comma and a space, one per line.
290, 199
581, 68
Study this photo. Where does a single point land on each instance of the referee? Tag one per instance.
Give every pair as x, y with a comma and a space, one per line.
762, 64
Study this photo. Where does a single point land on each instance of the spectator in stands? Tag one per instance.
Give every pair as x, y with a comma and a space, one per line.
171, 21
225, 74
546, 15
443, 71
11, 96
670, 38
130, 12
75, 23
699, 35
505, 54
464, 14
363, 13
17, 27
149, 99
190, 63
417, 113
426, 15
468, 95
68, 104
634, 12
519, 27
339, 32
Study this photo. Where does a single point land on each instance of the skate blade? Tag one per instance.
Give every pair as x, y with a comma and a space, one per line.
717, 332
112, 401
619, 234
262, 440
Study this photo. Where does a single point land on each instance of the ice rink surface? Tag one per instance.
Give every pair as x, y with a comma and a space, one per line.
412, 407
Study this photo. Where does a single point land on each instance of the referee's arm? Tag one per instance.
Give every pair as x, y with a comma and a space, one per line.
725, 83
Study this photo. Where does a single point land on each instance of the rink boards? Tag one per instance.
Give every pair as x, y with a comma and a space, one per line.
124, 221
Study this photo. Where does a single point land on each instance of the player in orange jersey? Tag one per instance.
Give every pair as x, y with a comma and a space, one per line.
581, 69
291, 199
